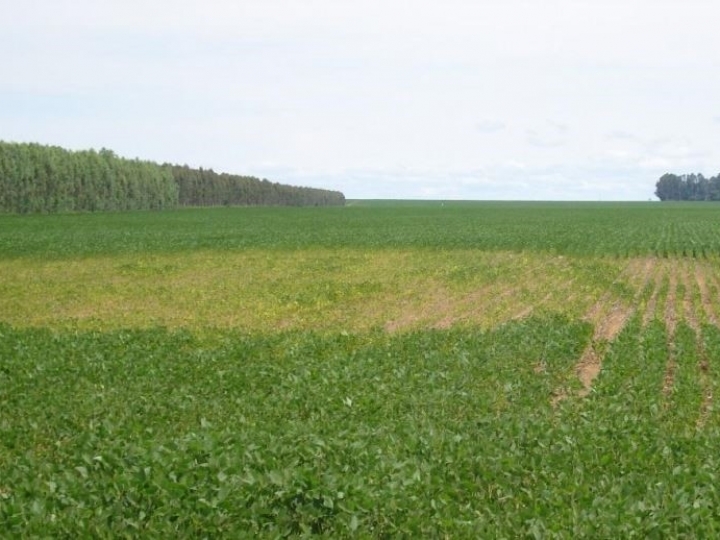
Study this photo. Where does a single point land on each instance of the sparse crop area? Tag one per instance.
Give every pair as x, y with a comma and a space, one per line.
464, 370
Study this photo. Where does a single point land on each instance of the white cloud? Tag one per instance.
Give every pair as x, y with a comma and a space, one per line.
620, 135
546, 139
489, 126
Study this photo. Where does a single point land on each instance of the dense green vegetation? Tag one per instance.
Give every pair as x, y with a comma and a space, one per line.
417, 435
278, 403
617, 229
204, 187
688, 187
36, 178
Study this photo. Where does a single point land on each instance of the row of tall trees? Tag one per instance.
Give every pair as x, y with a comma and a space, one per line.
688, 187
204, 187
38, 178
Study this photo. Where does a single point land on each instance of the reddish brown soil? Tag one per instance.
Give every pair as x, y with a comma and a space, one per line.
588, 369
613, 323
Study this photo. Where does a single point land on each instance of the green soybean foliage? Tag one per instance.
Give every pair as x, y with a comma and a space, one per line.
423, 434
376, 371
617, 229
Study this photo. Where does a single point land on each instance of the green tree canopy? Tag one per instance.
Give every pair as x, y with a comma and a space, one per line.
688, 187
37, 178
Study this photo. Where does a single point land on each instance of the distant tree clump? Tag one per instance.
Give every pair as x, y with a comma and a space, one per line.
688, 187
37, 178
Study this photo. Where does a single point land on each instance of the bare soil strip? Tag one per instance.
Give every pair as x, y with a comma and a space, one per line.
608, 318
590, 364
613, 323
597, 314
588, 368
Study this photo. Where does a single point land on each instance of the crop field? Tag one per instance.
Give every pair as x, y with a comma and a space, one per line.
460, 370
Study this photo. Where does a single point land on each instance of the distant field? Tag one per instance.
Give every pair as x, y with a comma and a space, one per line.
615, 229
416, 369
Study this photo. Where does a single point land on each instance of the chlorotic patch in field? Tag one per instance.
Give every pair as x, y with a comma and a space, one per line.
261, 290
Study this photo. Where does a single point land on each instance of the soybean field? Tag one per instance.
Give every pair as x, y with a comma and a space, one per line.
386, 369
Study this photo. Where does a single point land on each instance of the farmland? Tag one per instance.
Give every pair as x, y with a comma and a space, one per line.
380, 370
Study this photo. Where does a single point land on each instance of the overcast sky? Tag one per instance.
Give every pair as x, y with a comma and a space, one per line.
451, 99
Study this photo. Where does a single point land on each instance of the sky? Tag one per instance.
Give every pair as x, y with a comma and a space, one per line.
451, 99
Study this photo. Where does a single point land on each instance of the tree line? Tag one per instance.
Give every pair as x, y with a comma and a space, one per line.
204, 187
688, 187
39, 178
